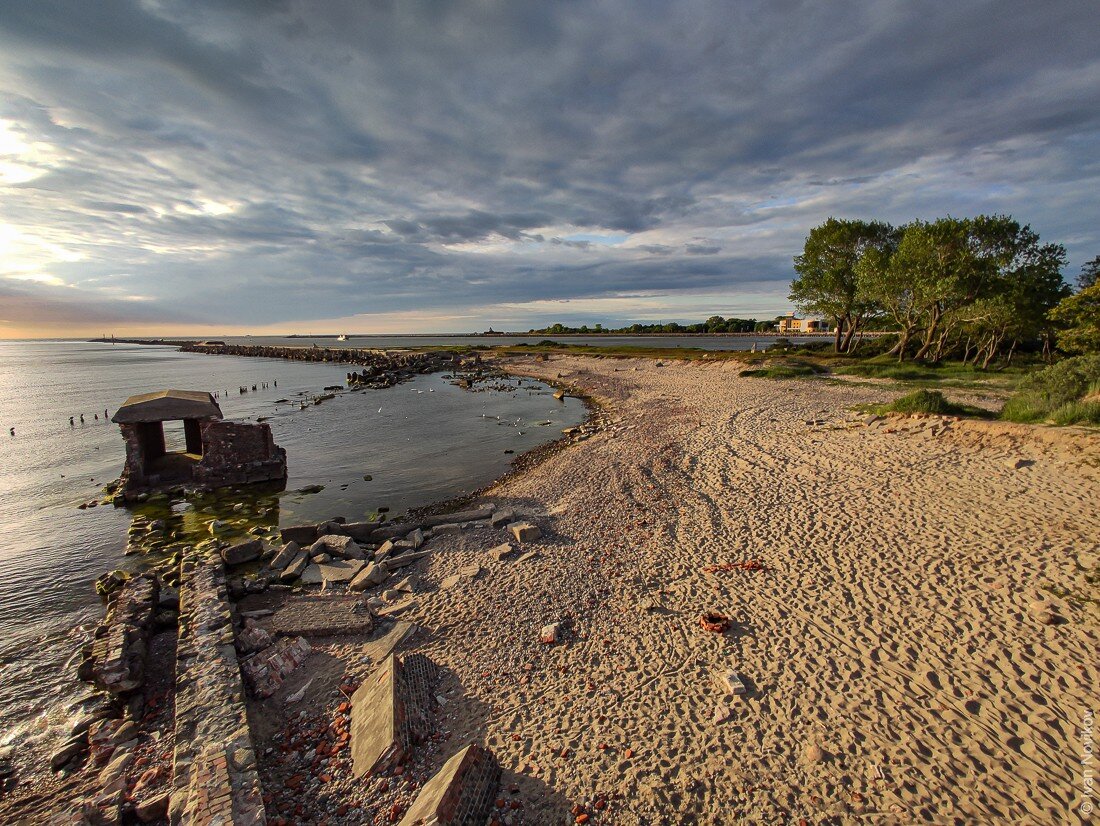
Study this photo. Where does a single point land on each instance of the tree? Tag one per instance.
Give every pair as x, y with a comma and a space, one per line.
1079, 315
1023, 283
1090, 274
827, 283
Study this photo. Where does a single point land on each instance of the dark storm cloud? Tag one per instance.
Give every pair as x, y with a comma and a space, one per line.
277, 161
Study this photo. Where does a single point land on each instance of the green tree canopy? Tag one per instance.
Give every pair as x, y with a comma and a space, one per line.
1079, 314
827, 282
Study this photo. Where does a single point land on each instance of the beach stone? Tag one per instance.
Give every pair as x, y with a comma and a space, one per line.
550, 634
813, 753
321, 559
463, 791
243, 552
1017, 463
296, 568
1046, 618
312, 574
285, 556
302, 534
391, 595
502, 517
525, 531
337, 546
417, 538
501, 552
447, 528
67, 752
152, 809
731, 682
527, 556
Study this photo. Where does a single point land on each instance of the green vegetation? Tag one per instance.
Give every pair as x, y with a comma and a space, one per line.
713, 325
1079, 316
1065, 393
968, 288
785, 370
827, 282
932, 402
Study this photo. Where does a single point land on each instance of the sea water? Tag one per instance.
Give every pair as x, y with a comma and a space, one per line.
419, 442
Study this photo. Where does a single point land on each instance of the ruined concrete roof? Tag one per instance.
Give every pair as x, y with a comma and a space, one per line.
167, 405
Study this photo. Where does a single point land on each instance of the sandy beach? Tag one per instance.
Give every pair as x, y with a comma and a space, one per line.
912, 608
897, 667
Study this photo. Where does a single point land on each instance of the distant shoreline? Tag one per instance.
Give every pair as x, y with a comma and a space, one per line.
181, 342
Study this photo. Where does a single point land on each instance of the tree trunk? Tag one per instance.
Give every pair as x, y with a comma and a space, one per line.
903, 342
836, 334
853, 325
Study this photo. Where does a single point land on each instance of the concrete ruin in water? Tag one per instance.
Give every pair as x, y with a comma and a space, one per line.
216, 452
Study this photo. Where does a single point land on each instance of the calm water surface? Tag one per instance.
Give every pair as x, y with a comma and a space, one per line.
420, 442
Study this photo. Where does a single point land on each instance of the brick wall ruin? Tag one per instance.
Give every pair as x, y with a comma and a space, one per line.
214, 777
237, 453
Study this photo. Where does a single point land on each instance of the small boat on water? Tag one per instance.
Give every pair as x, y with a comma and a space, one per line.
342, 337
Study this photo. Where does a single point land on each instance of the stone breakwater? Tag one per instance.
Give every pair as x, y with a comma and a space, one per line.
380, 368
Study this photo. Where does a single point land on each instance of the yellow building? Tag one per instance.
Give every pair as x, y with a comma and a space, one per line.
789, 324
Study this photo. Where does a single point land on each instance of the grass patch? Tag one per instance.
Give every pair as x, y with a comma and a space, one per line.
789, 369
930, 402
1064, 393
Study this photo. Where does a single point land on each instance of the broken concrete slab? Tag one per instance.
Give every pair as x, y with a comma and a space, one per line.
302, 534
463, 574
447, 528
296, 567
395, 563
461, 792
384, 550
374, 573
121, 643
312, 574
461, 516
320, 616
243, 552
388, 714
502, 517
339, 571
285, 556
731, 682
525, 531
377, 650
527, 556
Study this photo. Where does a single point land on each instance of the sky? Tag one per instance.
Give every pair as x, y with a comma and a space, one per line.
266, 166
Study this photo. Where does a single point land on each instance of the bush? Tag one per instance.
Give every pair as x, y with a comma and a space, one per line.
924, 401
1059, 389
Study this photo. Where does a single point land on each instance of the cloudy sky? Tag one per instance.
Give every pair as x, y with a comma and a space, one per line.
208, 165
